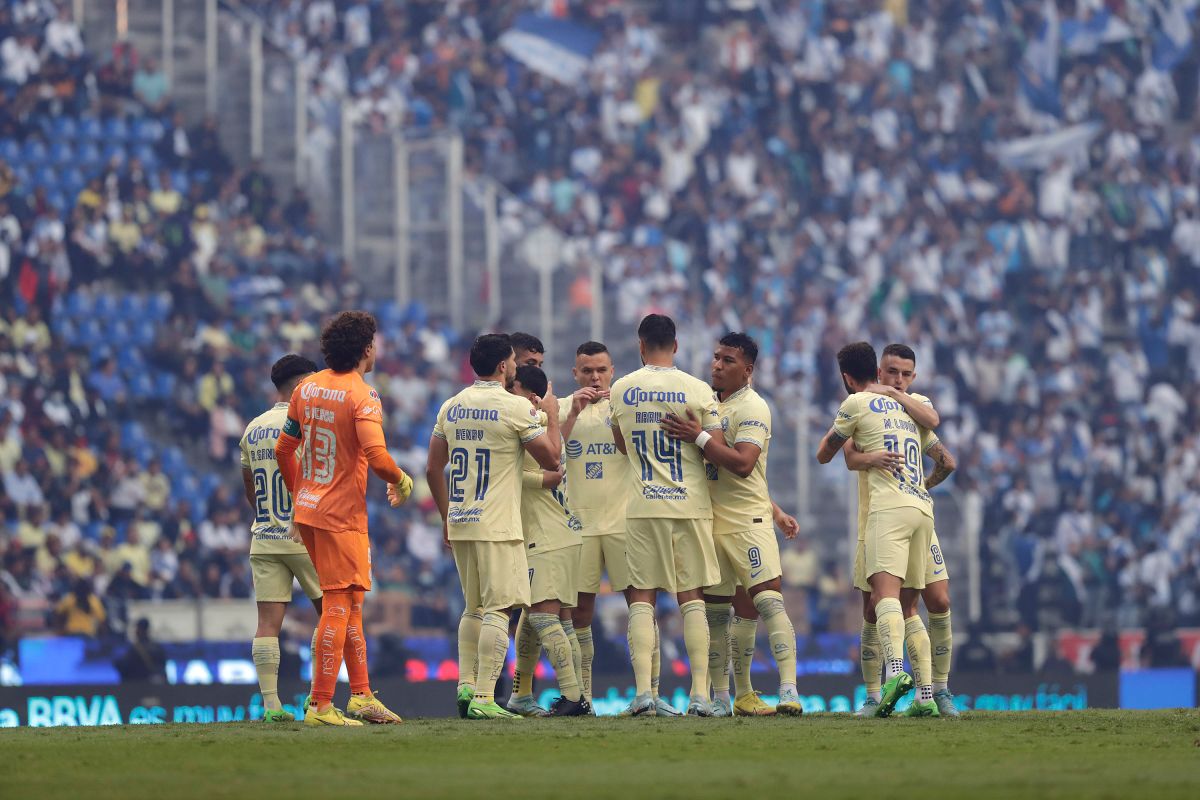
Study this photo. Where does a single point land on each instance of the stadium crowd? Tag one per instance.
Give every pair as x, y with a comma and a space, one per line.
831, 171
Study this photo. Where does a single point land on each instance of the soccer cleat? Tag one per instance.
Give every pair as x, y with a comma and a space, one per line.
751, 705
368, 708
278, 715
868, 709
591, 710
895, 688
945, 703
789, 704
664, 708
722, 707
490, 710
525, 706
465, 695
333, 717
562, 707
918, 709
641, 706
699, 707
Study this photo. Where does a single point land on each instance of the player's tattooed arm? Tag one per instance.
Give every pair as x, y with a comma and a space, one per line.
830, 444
945, 465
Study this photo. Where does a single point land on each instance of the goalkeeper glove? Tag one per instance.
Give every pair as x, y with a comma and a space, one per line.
399, 491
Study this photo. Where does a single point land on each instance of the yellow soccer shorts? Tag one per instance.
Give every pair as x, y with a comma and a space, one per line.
273, 576
897, 542
554, 575
675, 555
601, 553
494, 575
935, 565
747, 558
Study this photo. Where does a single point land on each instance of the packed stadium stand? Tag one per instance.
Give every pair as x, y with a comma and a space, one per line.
811, 172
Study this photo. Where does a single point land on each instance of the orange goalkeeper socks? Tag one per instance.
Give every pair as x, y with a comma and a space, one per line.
355, 649
331, 640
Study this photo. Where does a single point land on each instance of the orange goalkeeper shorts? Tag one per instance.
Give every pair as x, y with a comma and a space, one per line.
342, 558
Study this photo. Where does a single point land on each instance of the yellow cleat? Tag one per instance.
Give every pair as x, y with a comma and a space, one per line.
368, 708
332, 717
751, 705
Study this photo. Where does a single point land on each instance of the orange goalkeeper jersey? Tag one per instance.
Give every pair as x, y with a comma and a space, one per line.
338, 420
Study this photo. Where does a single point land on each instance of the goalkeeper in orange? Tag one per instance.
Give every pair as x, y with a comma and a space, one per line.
338, 419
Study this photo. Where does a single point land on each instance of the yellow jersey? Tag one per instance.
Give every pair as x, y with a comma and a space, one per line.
485, 428
928, 440
742, 504
548, 522
667, 476
597, 472
876, 422
270, 533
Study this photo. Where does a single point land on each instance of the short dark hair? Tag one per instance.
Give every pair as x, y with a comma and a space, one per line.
858, 361
657, 331
900, 351
591, 349
488, 350
290, 367
527, 342
533, 379
741, 341
346, 338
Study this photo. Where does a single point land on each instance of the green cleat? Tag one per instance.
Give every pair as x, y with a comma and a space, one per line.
722, 707
868, 709
492, 710
641, 706
896, 687
525, 706
919, 709
273, 715
307, 703
945, 704
465, 695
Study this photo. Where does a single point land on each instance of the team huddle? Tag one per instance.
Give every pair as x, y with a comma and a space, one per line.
657, 480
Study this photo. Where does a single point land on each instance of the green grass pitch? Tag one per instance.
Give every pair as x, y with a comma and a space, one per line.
1111, 754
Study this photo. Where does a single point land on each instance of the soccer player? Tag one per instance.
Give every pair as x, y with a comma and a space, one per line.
276, 559
552, 548
668, 538
897, 371
479, 433
597, 492
743, 530
899, 521
529, 350
339, 420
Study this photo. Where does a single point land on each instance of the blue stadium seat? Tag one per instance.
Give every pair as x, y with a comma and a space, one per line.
145, 333
46, 176
104, 306
89, 128
115, 129
71, 182
34, 151
92, 531
61, 153
147, 130
141, 387
131, 306
130, 360
179, 179
79, 304
58, 200
209, 483
89, 155
164, 385
62, 127
115, 151
119, 335
23, 176
145, 153
160, 305
66, 330
10, 151
133, 433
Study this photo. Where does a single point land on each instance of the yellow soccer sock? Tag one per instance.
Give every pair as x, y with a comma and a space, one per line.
695, 640
917, 640
468, 647
529, 646
493, 648
742, 633
889, 622
868, 658
941, 639
718, 615
780, 634
554, 641
655, 660
587, 652
641, 644
576, 653
265, 652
